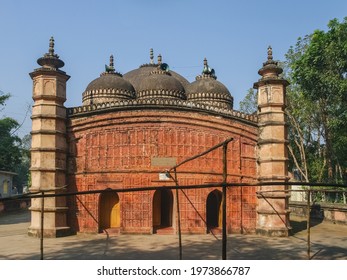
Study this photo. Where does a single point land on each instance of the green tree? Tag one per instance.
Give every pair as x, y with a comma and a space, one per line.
318, 70
10, 153
22, 169
3, 98
249, 104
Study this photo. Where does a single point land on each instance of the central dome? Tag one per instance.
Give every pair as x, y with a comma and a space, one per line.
160, 84
136, 76
152, 81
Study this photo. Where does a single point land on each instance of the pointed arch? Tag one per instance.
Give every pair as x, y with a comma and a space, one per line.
162, 209
109, 211
214, 210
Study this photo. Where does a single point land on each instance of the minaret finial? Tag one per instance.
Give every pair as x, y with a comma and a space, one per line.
269, 54
50, 59
270, 66
159, 59
151, 56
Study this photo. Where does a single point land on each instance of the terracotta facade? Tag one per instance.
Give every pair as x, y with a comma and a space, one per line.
131, 148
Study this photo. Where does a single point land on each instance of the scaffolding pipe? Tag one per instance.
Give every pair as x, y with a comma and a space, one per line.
178, 218
41, 194
224, 219
185, 187
202, 154
308, 224
42, 221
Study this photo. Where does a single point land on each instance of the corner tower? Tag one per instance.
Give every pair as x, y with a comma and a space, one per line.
273, 214
49, 148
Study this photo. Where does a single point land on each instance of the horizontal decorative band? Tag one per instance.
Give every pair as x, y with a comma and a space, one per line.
49, 209
273, 212
48, 116
46, 169
156, 103
42, 149
272, 141
48, 132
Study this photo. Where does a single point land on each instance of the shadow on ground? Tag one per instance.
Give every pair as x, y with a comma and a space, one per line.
328, 241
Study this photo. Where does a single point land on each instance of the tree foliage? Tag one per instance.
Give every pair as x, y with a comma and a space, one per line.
316, 68
22, 169
249, 104
3, 98
10, 152
317, 100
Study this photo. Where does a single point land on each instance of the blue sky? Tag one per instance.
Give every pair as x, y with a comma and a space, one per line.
232, 35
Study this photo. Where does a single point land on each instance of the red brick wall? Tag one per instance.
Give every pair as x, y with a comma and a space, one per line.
114, 150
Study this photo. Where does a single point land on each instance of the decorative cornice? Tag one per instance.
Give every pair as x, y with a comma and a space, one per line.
107, 93
149, 65
165, 103
211, 96
160, 93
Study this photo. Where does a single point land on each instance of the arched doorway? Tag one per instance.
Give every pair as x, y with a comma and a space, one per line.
214, 210
109, 211
162, 209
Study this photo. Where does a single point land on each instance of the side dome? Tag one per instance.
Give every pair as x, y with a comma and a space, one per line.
207, 90
110, 86
137, 75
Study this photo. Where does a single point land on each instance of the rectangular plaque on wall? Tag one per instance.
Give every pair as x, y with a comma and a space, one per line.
163, 161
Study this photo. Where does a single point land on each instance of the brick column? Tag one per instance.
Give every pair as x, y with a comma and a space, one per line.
49, 148
272, 209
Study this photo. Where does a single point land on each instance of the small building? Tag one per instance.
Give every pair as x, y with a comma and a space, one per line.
6, 186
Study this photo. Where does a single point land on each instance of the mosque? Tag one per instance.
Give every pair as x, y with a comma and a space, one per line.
130, 129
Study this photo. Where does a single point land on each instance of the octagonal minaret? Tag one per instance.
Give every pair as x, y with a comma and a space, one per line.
49, 148
272, 210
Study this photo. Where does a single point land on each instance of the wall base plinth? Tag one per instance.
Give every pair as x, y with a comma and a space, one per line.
50, 232
273, 232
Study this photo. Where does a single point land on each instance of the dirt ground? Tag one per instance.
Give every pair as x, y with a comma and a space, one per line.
328, 242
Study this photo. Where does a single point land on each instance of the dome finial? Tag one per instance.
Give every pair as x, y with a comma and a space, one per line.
110, 68
111, 61
205, 62
207, 71
151, 56
159, 59
269, 54
51, 46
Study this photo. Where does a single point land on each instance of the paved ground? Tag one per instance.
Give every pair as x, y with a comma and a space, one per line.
329, 242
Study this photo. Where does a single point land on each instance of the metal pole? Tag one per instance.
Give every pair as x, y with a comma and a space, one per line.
178, 218
201, 154
42, 219
224, 218
308, 224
